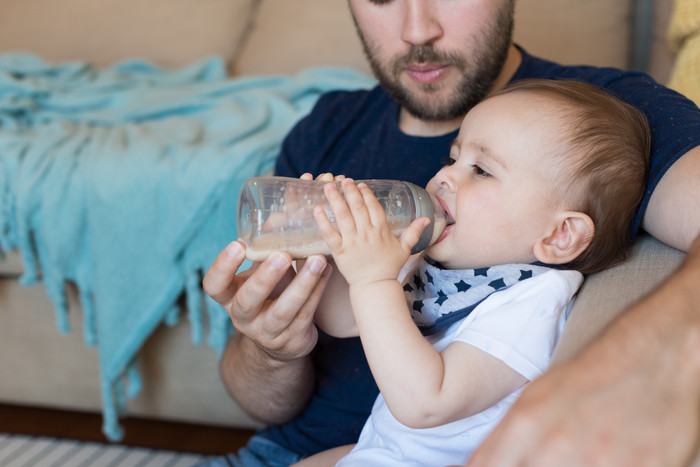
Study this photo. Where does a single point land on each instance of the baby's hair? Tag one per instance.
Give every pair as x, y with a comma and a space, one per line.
610, 143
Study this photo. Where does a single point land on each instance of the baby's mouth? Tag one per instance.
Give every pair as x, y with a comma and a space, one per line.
448, 218
449, 222
440, 204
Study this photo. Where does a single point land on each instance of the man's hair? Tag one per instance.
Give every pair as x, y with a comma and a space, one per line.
605, 168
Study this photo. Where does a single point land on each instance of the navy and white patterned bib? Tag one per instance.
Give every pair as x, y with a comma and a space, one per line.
439, 297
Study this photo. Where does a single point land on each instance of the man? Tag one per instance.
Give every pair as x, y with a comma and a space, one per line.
434, 61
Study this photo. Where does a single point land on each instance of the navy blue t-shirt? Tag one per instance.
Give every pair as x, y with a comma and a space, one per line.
356, 134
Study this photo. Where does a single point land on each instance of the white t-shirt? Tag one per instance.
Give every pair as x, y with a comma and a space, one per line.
520, 326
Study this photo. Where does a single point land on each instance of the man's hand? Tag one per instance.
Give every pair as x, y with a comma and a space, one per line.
267, 303
266, 367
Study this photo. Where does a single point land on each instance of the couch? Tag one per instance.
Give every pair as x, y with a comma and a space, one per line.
40, 366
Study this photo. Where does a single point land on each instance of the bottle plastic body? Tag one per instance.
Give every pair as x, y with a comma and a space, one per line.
276, 213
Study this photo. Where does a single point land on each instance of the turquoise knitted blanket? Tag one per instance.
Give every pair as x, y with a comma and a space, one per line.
123, 181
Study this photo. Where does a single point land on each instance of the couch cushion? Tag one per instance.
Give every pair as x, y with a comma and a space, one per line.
595, 32
591, 32
169, 32
11, 264
606, 294
289, 35
41, 367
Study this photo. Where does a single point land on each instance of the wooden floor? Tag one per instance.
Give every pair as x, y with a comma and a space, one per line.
138, 432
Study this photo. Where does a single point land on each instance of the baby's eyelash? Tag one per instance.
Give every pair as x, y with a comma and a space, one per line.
479, 171
448, 161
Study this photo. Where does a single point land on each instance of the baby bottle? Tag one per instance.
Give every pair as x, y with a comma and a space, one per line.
276, 213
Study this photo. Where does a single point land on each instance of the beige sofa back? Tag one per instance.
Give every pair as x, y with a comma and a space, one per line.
283, 36
170, 32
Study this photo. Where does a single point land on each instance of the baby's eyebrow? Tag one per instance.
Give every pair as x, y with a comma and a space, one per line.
488, 154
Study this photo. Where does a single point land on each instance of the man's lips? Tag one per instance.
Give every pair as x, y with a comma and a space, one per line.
427, 73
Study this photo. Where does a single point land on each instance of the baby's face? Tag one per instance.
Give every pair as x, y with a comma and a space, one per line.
498, 187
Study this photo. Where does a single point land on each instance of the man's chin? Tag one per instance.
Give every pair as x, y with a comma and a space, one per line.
428, 102
422, 103
429, 112
422, 91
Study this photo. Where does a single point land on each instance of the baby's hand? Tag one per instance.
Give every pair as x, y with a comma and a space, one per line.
363, 246
324, 177
299, 200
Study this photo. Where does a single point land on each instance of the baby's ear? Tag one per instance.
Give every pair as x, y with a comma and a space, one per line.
571, 235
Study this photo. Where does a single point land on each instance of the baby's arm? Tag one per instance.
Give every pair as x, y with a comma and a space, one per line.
423, 388
334, 314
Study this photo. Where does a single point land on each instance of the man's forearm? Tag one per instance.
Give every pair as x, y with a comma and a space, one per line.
268, 390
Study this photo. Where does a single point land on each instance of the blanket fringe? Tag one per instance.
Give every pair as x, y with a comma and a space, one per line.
53, 285
89, 317
172, 316
194, 306
110, 424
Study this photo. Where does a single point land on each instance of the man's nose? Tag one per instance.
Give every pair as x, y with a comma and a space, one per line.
421, 25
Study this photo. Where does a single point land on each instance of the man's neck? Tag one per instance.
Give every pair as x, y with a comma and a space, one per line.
416, 127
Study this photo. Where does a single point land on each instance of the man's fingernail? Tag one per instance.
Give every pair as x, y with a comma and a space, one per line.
316, 265
233, 250
278, 260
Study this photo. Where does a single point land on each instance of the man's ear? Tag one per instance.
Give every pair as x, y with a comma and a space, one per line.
571, 235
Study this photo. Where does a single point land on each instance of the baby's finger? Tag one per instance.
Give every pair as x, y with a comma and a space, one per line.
325, 177
356, 202
343, 217
328, 232
375, 210
409, 237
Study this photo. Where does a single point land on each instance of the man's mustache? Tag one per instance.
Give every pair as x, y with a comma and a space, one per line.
426, 54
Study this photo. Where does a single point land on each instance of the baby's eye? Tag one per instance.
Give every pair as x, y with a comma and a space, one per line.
447, 161
479, 171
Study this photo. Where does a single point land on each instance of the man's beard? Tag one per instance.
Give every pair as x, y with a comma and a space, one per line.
477, 73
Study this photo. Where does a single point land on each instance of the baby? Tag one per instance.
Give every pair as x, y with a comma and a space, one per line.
532, 192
